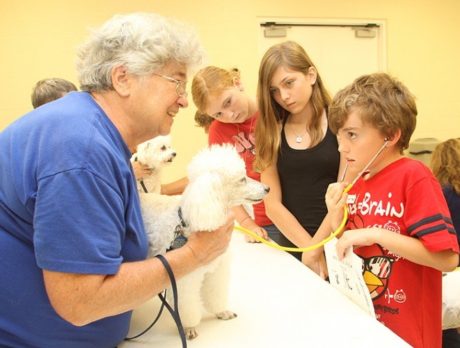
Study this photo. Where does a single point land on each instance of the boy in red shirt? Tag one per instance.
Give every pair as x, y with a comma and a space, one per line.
398, 221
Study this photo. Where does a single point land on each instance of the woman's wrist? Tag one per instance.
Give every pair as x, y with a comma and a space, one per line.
245, 222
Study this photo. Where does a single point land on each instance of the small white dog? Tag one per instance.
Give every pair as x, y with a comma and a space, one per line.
217, 182
155, 153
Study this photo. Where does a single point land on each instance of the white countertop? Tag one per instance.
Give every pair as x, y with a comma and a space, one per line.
279, 302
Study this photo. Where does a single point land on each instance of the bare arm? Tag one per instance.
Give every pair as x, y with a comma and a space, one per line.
174, 188
335, 200
410, 248
289, 225
84, 298
246, 221
315, 258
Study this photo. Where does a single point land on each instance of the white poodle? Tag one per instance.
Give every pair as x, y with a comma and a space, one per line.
155, 153
217, 182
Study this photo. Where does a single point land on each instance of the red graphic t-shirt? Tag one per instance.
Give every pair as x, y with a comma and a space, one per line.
404, 198
241, 135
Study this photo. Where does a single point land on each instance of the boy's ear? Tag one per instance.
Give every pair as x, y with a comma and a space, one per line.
121, 80
393, 139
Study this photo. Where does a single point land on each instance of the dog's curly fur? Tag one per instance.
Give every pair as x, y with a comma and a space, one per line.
155, 153
217, 182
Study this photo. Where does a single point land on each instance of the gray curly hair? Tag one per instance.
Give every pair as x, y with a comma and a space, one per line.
141, 42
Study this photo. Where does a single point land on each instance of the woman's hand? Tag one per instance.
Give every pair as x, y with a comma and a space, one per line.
141, 171
206, 246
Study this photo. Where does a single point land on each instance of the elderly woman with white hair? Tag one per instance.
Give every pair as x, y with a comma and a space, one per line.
72, 243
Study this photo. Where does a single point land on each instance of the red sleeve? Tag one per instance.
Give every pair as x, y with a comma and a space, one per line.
427, 216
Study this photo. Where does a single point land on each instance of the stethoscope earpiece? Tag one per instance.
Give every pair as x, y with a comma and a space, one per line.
366, 168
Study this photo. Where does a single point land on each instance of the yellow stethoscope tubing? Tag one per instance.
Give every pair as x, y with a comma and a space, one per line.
301, 250
333, 234
308, 248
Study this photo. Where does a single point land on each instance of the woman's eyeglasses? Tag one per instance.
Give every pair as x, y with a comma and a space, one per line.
180, 85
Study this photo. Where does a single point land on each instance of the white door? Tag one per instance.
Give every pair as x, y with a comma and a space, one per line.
341, 50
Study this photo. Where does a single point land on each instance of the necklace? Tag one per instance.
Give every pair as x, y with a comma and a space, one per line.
299, 137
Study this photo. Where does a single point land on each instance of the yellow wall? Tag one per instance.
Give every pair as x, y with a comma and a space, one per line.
38, 39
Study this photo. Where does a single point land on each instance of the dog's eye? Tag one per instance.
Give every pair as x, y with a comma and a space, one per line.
243, 180
163, 147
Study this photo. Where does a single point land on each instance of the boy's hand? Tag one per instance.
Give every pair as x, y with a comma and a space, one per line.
352, 238
335, 202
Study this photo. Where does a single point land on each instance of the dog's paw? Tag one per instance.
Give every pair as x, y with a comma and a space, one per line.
226, 315
190, 333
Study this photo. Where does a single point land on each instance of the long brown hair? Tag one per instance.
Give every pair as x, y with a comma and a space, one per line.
445, 163
291, 55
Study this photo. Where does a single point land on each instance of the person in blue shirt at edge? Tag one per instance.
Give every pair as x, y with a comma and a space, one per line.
72, 243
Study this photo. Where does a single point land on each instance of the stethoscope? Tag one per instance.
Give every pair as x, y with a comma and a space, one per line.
339, 229
365, 170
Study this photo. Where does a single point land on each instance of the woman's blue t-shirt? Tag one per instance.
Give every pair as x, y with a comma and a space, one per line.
68, 203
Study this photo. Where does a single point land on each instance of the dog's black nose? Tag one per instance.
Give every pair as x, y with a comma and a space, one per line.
267, 189
173, 154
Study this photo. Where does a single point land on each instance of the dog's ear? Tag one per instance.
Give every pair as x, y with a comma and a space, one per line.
204, 203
